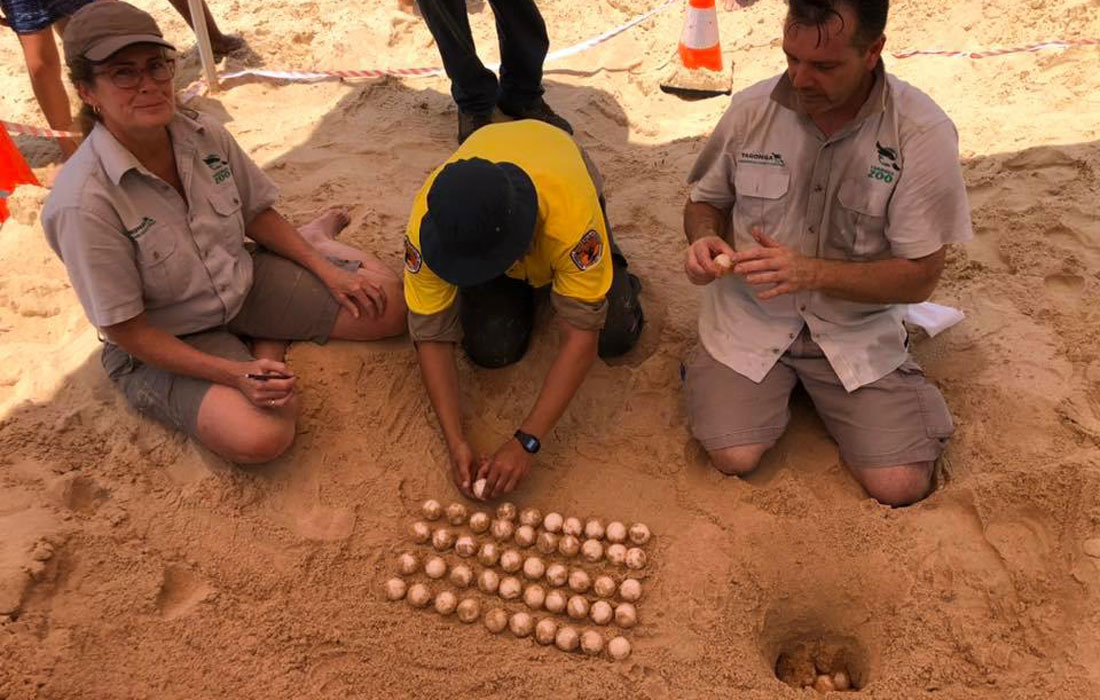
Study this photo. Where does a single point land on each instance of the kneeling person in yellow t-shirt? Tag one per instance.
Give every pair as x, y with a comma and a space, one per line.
515, 209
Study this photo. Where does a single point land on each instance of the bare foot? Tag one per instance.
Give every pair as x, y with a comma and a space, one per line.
269, 349
326, 226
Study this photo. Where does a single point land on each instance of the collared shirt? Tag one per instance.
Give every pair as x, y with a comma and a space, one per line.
888, 184
570, 250
131, 244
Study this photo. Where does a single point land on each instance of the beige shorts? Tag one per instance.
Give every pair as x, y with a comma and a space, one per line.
286, 302
899, 419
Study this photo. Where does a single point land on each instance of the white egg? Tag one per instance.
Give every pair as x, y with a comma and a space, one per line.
395, 589
445, 603
511, 560
479, 487
461, 576
591, 643
524, 535
530, 517
435, 567
443, 539
577, 607
592, 550
568, 546
534, 597
510, 588
456, 514
724, 263
555, 601
545, 631
630, 590
418, 595
547, 543
432, 509
635, 558
465, 546
567, 639
553, 522
604, 586
618, 648
521, 624
616, 554
408, 564
616, 532
502, 529
506, 511
469, 610
496, 620
639, 533
488, 581
480, 522
824, 684
626, 615
420, 532
842, 681
579, 581
601, 612
557, 575
593, 529
534, 568
572, 526
489, 554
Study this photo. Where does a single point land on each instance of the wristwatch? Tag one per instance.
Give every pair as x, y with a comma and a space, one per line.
529, 442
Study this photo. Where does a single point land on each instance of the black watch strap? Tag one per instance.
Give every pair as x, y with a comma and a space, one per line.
529, 442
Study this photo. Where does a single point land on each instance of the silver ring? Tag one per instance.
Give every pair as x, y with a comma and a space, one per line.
271, 402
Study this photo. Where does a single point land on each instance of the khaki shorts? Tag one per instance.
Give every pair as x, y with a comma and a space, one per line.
899, 419
286, 302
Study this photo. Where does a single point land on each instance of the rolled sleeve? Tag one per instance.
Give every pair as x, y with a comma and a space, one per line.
442, 327
929, 208
101, 263
584, 315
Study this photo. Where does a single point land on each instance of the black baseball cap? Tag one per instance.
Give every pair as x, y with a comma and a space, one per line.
481, 218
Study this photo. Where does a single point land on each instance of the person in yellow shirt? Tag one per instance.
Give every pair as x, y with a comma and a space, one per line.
516, 210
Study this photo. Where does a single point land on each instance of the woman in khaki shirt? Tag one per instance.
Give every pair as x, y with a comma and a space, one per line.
150, 218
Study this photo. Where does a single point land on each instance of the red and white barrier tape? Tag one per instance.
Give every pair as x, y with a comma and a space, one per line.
38, 131
988, 53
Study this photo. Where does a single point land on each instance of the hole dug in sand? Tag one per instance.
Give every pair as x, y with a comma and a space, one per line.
824, 664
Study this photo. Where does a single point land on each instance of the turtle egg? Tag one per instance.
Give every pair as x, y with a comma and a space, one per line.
635, 558
418, 596
496, 620
480, 521
456, 514
626, 615
545, 631
432, 509
525, 535
591, 643
420, 532
616, 554
577, 607
557, 575
579, 581
593, 529
395, 589
604, 586
503, 529
618, 648
553, 522
601, 612
479, 488
534, 597
442, 539
547, 543
489, 554
530, 517
435, 567
842, 681
616, 532
567, 639
511, 560
510, 588
572, 526
630, 590
592, 550
408, 564
506, 511
461, 576
555, 601
568, 546
465, 546
445, 603
469, 610
824, 684
534, 568
639, 533
521, 624
488, 581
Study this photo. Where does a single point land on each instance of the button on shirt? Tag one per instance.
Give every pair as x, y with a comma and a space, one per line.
131, 244
886, 185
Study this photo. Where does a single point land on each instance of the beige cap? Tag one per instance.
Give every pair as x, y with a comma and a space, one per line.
99, 29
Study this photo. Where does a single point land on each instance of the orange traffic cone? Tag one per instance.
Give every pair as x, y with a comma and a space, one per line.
13, 171
700, 71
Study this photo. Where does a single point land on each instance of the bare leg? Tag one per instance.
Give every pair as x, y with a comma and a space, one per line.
221, 44
738, 460
231, 426
897, 486
270, 349
44, 68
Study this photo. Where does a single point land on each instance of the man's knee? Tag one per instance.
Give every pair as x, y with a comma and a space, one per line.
897, 486
265, 440
738, 460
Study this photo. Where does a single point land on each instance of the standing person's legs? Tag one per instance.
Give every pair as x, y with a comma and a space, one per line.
523, 46
44, 68
473, 86
220, 43
497, 318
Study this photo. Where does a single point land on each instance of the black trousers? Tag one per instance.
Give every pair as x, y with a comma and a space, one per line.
498, 316
523, 46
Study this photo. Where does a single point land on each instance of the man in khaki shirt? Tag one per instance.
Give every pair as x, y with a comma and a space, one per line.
834, 190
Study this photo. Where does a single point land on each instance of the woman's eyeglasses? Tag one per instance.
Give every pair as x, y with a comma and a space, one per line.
127, 77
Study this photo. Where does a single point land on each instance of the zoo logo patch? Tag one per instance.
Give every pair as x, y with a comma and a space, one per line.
588, 251
413, 261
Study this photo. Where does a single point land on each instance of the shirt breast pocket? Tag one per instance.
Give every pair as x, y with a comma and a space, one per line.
158, 263
229, 217
761, 202
861, 218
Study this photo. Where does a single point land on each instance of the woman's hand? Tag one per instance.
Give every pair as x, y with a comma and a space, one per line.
266, 383
356, 292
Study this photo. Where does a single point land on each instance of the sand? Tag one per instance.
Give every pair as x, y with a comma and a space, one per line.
134, 564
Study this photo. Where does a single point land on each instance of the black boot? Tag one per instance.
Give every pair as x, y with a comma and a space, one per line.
536, 110
469, 122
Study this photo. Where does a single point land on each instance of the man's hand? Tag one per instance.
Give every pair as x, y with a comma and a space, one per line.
355, 292
699, 261
776, 264
506, 468
266, 383
463, 467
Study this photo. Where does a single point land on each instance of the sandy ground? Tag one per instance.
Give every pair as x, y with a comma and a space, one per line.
133, 564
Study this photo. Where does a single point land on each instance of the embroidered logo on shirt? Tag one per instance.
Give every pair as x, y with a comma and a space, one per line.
413, 261
220, 166
588, 251
774, 159
140, 230
888, 159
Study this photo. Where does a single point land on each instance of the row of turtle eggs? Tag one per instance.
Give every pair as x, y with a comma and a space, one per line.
591, 550
615, 532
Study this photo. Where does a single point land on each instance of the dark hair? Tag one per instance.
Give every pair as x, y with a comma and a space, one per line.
82, 72
870, 17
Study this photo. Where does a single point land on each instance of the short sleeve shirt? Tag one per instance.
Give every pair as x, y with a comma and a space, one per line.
132, 245
889, 184
570, 249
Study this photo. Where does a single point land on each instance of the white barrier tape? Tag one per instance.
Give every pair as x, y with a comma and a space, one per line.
1043, 46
